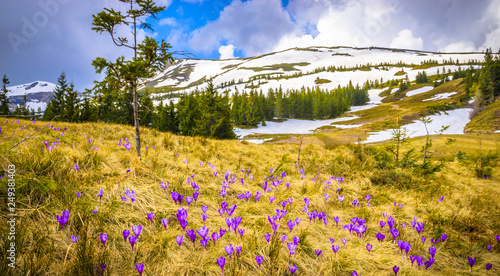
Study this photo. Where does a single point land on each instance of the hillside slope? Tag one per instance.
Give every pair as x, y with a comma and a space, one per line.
47, 183
297, 67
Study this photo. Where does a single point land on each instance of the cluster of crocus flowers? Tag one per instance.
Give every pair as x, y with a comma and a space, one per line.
126, 144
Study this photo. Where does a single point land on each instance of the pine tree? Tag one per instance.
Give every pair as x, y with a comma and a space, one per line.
4, 99
64, 102
71, 104
149, 55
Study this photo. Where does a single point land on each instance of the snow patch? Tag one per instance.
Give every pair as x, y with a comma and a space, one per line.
419, 91
456, 120
258, 141
441, 96
291, 126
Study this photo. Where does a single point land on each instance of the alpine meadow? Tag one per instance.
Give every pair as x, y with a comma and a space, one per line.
240, 138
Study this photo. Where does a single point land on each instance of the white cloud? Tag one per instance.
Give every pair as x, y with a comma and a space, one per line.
492, 38
406, 40
226, 52
254, 27
459, 47
342, 23
169, 21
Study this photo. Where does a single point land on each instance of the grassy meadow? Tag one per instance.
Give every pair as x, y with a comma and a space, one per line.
47, 183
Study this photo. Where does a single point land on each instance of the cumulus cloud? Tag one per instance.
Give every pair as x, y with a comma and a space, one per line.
459, 47
226, 52
253, 26
406, 40
342, 23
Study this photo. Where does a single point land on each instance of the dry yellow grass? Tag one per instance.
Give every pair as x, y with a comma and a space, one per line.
47, 183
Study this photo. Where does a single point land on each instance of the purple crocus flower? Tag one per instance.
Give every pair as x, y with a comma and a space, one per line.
163, 185
318, 252
189, 200
291, 225
241, 232
382, 224
99, 194
63, 219
380, 237
75, 239
221, 262
271, 199
335, 249
423, 240
488, 266
488, 246
344, 241
215, 237
192, 235
369, 248
203, 232
104, 238
137, 230
293, 269
259, 260
395, 233
435, 241
78, 194
179, 241
126, 233
419, 227
443, 237
196, 195
472, 262
204, 209
267, 236
337, 220
140, 268
100, 268
164, 221
238, 250
396, 270
204, 243
429, 263
132, 240
340, 198
354, 273
229, 250
498, 238
413, 258
432, 251
76, 167
441, 198
150, 216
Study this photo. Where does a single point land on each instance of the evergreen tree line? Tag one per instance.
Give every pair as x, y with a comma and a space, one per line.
483, 83
251, 108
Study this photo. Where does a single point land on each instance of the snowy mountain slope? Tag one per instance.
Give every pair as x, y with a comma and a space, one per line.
294, 68
37, 93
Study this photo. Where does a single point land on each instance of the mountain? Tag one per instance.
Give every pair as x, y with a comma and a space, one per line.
37, 93
298, 67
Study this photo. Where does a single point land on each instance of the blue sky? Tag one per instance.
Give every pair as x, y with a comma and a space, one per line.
42, 38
